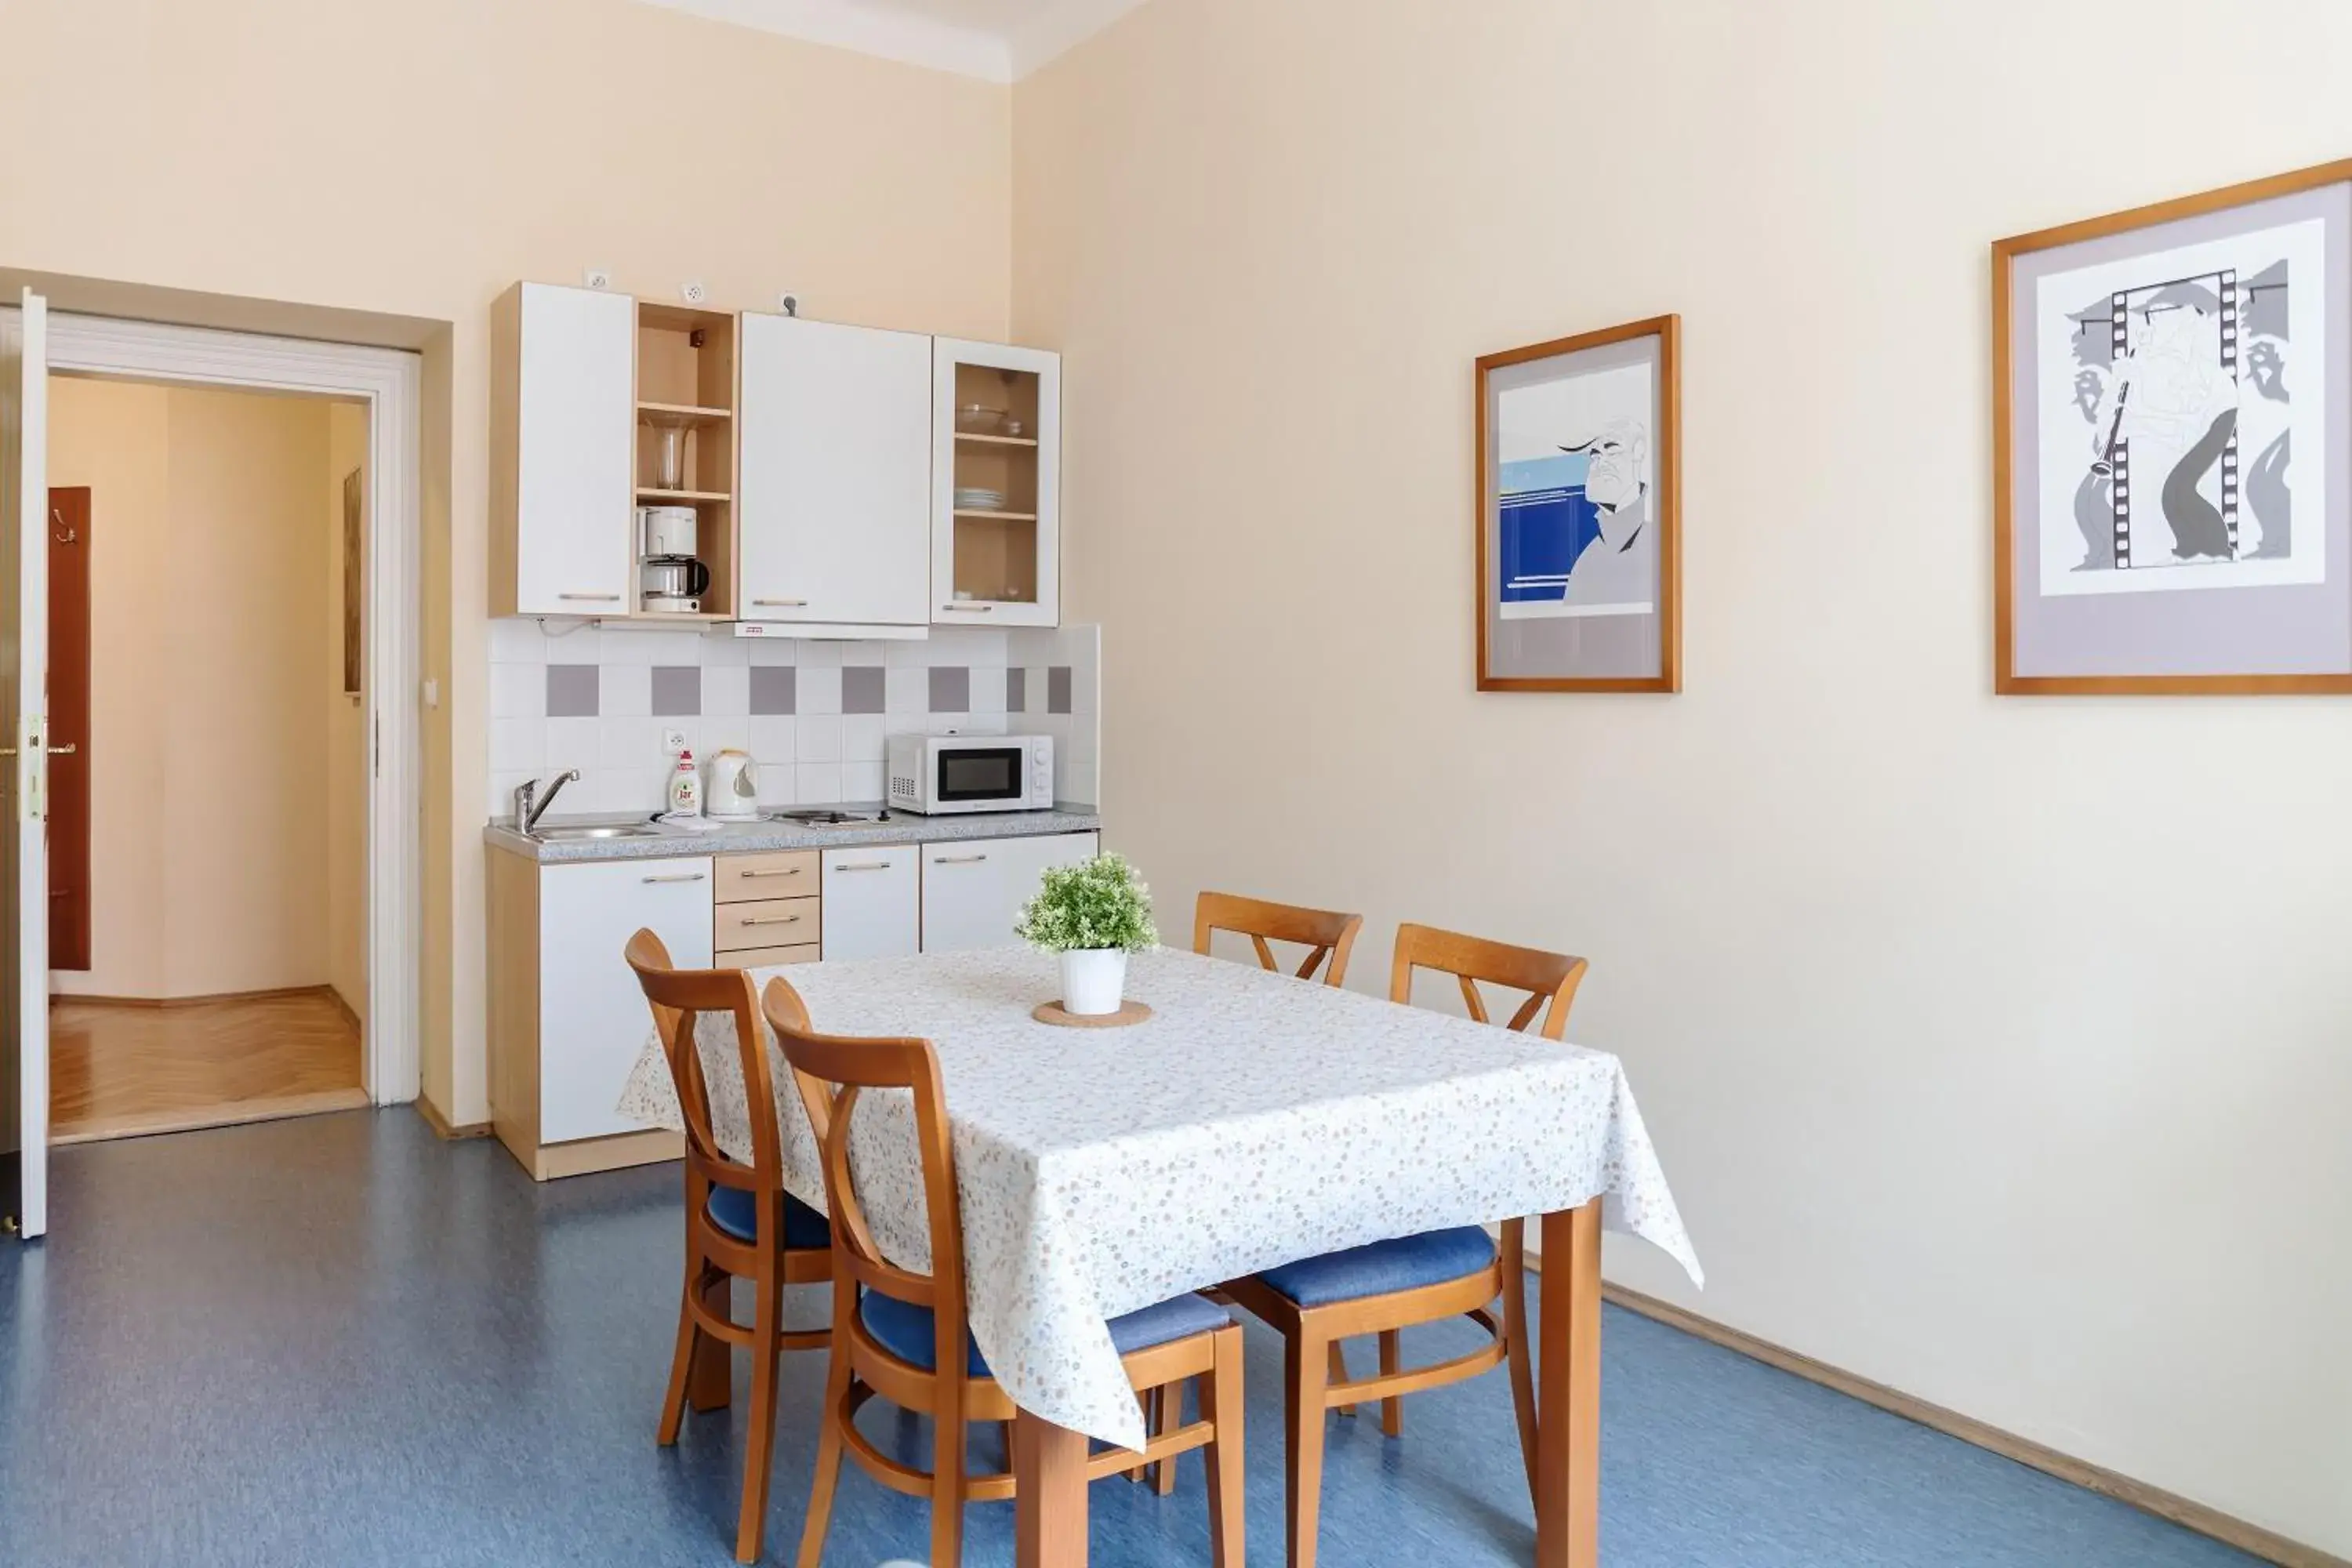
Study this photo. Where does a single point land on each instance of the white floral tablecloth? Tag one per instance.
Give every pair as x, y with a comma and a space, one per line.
1254, 1120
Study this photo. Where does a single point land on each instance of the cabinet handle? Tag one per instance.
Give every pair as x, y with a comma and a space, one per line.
770, 920
959, 860
593, 599
791, 871
680, 876
783, 604
971, 609
66, 750
862, 866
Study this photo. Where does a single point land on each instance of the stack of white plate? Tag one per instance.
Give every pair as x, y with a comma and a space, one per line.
975, 498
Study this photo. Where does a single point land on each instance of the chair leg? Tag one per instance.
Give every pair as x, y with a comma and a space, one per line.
947, 1486
1516, 1341
831, 1417
767, 1319
1307, 1370
710, 1386
1147, 1401
1339, 1373
689, 1340
1166, 1415
1392, 1362
1220, 1407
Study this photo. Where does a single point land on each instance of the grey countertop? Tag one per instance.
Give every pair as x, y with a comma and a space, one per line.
754, 837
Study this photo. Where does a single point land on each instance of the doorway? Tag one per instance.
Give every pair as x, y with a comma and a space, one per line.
208, 751
389, 383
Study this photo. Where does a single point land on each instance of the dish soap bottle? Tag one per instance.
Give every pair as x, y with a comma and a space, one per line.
685, 787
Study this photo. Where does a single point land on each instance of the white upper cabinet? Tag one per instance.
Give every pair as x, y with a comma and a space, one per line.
564, 416
835, 488
996, 466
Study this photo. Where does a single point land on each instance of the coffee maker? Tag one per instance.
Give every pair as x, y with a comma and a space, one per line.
670, 579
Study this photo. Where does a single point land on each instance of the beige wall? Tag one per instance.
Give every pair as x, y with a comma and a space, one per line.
1997, 1049
210, 664
416, 160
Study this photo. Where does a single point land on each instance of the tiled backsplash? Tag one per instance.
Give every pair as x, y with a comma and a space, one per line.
814, 715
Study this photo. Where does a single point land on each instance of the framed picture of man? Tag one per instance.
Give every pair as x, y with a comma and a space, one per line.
1579, 525
2172, 426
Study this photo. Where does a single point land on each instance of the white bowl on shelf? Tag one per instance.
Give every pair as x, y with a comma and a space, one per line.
974, 499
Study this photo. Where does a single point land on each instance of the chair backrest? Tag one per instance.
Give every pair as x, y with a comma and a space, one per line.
1322, 931
1547, 977
678, 997
833, 1072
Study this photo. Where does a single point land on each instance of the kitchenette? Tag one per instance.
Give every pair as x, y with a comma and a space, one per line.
778, 671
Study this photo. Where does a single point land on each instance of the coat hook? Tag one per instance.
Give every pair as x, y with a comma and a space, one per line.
69, 535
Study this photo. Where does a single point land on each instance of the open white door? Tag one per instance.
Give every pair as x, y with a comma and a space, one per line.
23, 705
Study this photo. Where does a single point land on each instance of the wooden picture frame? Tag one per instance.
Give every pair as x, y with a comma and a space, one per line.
2270, 606
1580, 396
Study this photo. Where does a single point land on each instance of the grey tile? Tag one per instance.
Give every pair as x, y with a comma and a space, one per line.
861, 689
773, 688
678, 690
1057, 689
1016, 689
572, 691
950, 689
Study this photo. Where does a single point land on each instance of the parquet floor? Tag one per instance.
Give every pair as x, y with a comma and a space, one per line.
117, 1071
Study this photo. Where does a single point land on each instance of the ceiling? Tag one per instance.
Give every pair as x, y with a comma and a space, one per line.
997, 41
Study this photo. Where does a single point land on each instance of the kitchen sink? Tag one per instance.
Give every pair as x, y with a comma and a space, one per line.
574, 835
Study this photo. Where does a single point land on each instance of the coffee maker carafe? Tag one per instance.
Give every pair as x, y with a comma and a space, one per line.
670, 578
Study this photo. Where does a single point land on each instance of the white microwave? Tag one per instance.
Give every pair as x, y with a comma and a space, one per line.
939, 773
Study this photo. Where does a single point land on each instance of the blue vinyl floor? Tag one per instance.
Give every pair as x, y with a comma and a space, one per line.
339, 1342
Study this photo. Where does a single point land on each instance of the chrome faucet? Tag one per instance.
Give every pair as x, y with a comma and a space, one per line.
531, 805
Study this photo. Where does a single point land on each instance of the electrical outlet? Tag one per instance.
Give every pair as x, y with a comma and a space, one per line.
693, 293
789, 303
673, 741
596, 277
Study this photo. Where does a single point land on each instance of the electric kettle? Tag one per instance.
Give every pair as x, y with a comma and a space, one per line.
734, 792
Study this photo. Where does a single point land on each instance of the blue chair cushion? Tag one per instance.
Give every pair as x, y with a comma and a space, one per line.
737, 1213
1404, 1264
906, 1332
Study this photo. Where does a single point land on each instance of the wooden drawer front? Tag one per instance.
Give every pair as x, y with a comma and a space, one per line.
787, 874
769, 957
771, 922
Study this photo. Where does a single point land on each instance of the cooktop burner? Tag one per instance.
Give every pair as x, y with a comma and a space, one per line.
831, 818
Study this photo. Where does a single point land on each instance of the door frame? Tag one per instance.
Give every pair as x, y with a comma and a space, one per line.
387, 382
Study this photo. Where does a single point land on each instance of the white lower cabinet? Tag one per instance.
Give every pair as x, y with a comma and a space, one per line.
593, 1019
973, 889
872, 901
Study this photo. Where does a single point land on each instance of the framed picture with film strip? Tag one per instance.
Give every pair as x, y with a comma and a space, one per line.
2172, 427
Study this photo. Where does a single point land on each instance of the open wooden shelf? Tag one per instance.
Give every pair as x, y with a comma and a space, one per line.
1000, 516
975, 436
645, 494
688, 411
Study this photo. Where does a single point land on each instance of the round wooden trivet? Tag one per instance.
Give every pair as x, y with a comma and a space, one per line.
1051, 1013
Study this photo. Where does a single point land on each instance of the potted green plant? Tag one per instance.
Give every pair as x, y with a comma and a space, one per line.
1093, 914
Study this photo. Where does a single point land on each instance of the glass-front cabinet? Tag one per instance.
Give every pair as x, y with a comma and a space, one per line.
996, 459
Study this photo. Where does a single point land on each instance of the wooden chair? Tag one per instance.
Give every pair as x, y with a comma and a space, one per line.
903, 1336
1392, 1286
739, 1223
1321, 932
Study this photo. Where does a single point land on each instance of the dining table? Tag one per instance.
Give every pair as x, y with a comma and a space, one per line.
1253, 1120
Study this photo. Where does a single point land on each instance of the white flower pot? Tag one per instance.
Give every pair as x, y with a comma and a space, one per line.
1092, 978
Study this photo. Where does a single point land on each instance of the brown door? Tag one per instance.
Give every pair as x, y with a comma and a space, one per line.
70, 728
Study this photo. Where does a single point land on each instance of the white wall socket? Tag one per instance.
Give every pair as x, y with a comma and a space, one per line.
692, 291
596, 277
673, 741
